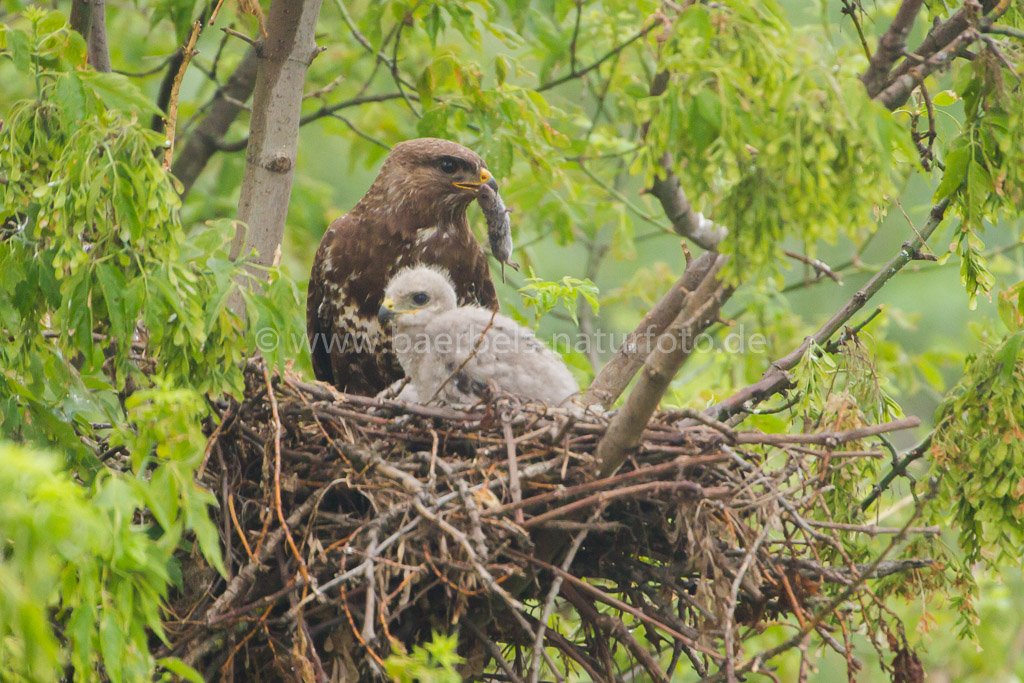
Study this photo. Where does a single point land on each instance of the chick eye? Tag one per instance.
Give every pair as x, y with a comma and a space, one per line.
420, 298
448, 165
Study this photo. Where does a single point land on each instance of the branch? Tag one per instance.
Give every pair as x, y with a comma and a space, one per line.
939, 48
617, 373
325, 110
896, 93
940, 35
899, 469
890, 46
88, 17
672, 349
223, 110
776, 378
685, 221
827, 438
163, 96
843, 575
577, 73
172, 104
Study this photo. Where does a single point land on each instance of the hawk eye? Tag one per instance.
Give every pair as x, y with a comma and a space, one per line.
420, 298
448, 165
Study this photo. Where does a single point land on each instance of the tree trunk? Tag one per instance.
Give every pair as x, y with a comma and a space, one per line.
88, 17
284, 55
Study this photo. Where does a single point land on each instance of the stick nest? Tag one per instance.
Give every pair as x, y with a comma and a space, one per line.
355, 527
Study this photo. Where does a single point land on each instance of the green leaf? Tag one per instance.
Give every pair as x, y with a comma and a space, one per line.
955, 173
1009, 354
118, 92
180, 668
70, 96
20, 46
945, 98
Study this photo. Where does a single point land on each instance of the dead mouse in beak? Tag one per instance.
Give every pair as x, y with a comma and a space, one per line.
499, 228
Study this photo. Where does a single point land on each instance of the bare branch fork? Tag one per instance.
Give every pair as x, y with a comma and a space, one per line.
941, 46
776, 378
890, 46
673, 347
611, 381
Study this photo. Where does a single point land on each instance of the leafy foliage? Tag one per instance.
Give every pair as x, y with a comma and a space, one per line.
769, 132
983, 165
977, 453
434, 661
543, 296
113, 312
115, 323
77, 556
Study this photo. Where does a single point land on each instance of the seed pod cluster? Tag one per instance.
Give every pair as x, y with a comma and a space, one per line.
499, 228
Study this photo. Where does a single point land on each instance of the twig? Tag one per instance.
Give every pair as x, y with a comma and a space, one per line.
890, 46
577, 73
872, 530
278, 431
172, 105
776, 378
514, 487
828, 438
820, 266
549, 603
241, 36
730, 610
850, 9
692, 490
899, 469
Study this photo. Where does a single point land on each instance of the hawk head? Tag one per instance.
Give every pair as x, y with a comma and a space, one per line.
432, 179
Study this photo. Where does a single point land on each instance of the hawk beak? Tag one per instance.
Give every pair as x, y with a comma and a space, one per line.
485, 179
386, 312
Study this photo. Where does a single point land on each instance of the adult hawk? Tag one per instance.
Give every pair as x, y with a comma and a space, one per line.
414, 213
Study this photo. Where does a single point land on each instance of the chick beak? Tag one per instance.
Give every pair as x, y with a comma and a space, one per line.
386, 313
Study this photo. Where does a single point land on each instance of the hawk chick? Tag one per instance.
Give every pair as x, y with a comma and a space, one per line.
415, 212
453, 352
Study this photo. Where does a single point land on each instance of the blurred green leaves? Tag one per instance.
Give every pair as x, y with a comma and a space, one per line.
75, 558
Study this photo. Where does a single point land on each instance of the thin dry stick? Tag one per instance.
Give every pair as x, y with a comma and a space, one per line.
734, 591
238, 528
172, 106
476, 347
514, 487
549, 603
278, 430
616, 603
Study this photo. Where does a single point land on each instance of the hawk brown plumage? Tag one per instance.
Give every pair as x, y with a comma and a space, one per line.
413, 213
